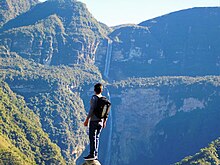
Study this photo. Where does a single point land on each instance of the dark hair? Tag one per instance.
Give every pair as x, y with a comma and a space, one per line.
98, 88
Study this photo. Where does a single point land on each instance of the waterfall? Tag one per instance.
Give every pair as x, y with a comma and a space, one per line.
108, 58
108, 155
110, 123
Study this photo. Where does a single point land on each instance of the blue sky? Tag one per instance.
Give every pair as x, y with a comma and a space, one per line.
116, 12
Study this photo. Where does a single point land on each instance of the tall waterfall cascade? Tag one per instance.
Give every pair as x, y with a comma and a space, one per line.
108, 58
110, 123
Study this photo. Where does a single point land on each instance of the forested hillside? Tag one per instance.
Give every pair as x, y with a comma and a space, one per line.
208, 155
22, 139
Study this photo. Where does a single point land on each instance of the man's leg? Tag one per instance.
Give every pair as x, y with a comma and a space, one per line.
98, 131
92, 136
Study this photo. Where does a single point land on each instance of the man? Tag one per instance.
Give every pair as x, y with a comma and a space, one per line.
96, 124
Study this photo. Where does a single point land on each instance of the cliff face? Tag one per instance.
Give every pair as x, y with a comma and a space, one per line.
172, 45
64, 33
135, 117
161, 125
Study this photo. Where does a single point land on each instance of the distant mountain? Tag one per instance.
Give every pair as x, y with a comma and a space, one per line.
9, 9
54, 32
181, 43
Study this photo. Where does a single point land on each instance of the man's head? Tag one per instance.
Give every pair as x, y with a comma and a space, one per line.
98, 88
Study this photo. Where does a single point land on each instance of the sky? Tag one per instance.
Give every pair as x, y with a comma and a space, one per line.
117, 12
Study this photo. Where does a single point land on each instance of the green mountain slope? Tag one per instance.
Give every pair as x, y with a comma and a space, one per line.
65, 33
22, 139
209, 155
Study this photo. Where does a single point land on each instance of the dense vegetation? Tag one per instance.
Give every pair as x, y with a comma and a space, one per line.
58, 32
209, 155
166, 81
22, 139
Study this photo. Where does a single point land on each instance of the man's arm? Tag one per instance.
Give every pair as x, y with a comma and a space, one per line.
105, 122
86, 122
91, 110
106, 115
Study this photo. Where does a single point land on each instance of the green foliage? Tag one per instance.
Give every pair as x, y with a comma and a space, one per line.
166, 81
22, 139
9, 154
14, 67
206, 156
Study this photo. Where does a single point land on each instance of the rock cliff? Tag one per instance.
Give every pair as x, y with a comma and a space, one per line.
160, 120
